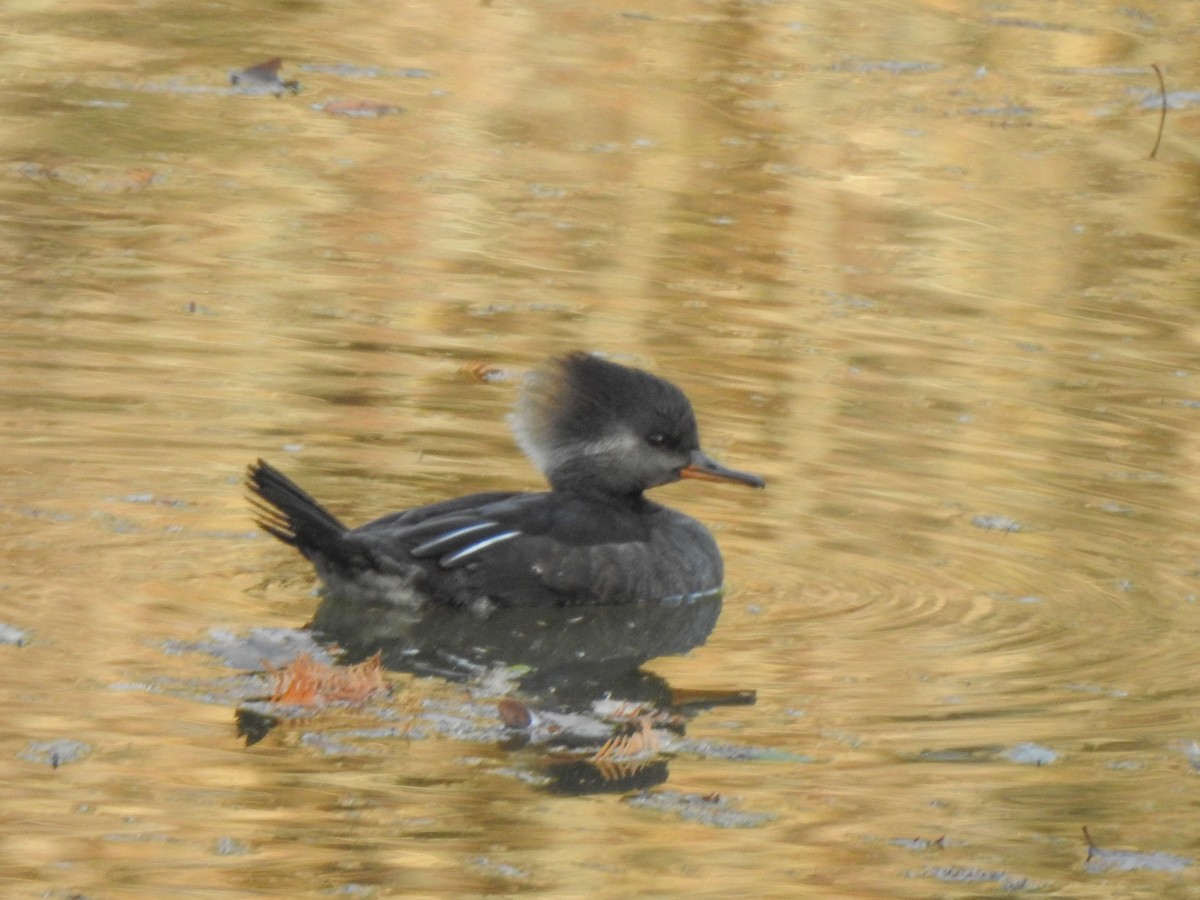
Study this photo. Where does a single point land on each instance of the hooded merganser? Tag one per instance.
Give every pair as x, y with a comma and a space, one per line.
602, 434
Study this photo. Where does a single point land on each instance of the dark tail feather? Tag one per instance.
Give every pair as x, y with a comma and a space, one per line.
285, 511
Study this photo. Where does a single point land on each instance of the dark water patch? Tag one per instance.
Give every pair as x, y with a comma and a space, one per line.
357, 109
852, 302
738, 752
997, 523
140, 838
117, 524
582, 777
216, 691
497, 869
1037, 25
351, 70
712, 810
1106, 71
1175, 99
260, 648
340, 743
919, 844
1100, 861
1007, 111
121, 525
55, 753
148, 498
183, 87
968, 875
1024, 754
892, 67
85, 176
228, 846
51, 515
959, 755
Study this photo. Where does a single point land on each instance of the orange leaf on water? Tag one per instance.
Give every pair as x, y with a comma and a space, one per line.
306, 682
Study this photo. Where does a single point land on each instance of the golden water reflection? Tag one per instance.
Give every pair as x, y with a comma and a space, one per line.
910, 262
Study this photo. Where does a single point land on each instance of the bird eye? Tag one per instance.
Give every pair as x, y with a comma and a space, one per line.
657, 439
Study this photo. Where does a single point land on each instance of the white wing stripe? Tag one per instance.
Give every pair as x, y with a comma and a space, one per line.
460, 555
436, 544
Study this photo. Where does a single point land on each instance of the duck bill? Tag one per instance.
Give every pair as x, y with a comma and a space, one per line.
703, 468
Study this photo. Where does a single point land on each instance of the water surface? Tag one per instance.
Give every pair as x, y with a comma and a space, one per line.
911, 263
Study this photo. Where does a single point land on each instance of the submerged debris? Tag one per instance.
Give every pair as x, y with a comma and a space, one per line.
308, 682
1100, 860
263, 78
302, 686
637, 741
515, 714
55, 753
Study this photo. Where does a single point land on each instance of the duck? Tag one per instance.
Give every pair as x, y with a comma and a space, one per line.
602, 434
